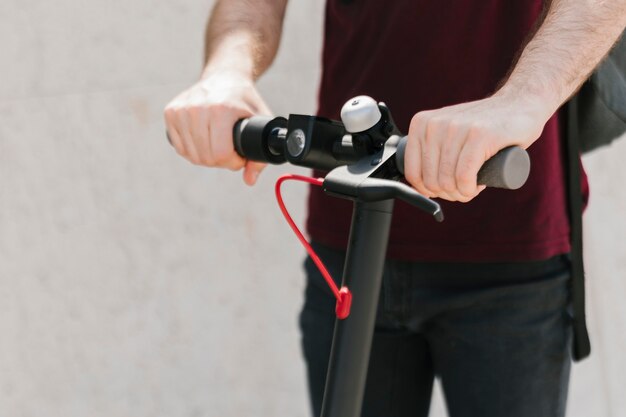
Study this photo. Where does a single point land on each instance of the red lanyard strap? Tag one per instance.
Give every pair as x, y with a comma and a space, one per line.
343, 295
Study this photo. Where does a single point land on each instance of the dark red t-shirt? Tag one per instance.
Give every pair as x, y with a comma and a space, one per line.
422, 54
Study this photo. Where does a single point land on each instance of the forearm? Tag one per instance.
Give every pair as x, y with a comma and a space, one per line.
573, 38
243, 36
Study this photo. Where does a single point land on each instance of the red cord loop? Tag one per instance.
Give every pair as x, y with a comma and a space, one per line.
343, 295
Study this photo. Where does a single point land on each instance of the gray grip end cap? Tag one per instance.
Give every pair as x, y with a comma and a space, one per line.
508, 169
515, 168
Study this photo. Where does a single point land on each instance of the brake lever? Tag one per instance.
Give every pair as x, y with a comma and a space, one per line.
373, 178
376, 189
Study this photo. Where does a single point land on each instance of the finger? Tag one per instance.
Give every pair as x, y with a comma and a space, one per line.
252, 171
413, 165
448, 161
172, 133
431, 152
471, 158
444, 195
184, 130
176, 140
465, 199
221, 132
413, 155
201, 136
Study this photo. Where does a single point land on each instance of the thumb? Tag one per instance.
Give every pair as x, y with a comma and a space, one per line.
251, 171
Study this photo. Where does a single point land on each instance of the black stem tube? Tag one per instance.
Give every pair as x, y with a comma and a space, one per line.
352, 341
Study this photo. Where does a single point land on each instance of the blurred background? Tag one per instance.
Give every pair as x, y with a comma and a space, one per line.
135, 284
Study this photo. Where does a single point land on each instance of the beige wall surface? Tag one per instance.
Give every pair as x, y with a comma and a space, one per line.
135, 284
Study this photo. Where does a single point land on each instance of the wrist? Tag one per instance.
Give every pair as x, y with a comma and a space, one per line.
225, 71
234, 56
536, 100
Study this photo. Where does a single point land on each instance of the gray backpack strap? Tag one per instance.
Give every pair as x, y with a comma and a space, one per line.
601, 102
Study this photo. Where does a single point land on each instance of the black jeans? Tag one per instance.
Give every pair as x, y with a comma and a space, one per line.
497, 335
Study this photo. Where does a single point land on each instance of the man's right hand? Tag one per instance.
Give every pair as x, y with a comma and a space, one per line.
200, 121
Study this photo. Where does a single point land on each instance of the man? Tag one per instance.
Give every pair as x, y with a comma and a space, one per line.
480, 300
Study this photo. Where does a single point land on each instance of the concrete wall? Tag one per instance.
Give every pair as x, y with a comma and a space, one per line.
135, 284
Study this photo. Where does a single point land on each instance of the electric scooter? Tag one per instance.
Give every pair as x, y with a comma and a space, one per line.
364, 154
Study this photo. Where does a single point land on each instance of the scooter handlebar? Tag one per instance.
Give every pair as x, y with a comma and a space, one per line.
508, 169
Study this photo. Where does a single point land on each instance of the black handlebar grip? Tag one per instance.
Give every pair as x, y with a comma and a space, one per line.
508, 169
237, 132
252, 138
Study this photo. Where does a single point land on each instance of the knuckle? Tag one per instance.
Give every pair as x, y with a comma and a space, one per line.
436, 130
205, 158
221, 157
432, 185
195, 109
437, 120
414, 178
426, 193
427, 139
220, 110
178, 113
418, 119
464, 177
196, 160
477, 132
169, 112
180, 150
192, 158
447, 183
236, 164
411, 177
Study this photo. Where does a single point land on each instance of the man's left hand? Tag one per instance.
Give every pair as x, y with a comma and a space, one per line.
446, 147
